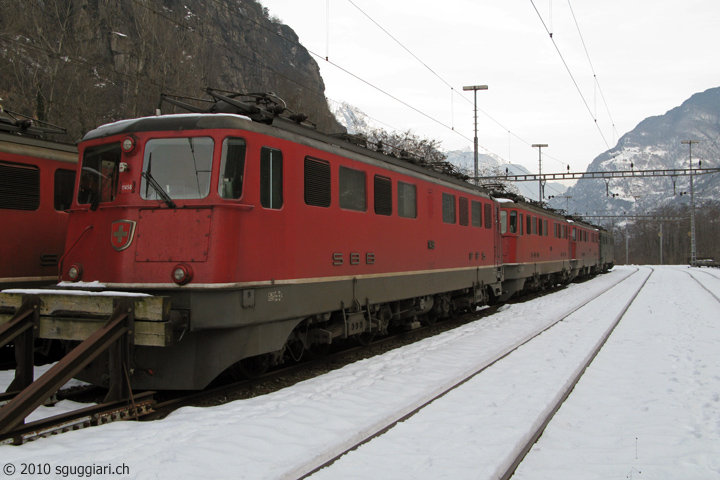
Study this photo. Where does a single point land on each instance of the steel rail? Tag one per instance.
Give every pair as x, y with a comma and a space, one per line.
82, 418
701, 284
510, 471
322, 461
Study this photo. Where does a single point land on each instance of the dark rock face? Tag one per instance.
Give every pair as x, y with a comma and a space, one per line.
81, 63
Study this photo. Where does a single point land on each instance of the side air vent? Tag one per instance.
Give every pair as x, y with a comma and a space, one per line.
383, 195
317, 182
19, 187
463, 211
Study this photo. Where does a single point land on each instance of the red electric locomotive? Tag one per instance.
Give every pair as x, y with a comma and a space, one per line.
585, 247
536, 250
37, 177
258, 241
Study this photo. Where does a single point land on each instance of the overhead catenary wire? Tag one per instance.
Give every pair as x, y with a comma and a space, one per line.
235, 12
592, 68
572, 77
452, 89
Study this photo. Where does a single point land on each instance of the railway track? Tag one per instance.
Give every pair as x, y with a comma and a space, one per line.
93, 415
148, 406
694, 274
564, 394
508, 467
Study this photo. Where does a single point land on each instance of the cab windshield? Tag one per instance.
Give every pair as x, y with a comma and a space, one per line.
180, 166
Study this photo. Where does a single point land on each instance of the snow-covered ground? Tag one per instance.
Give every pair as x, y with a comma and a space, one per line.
648, 407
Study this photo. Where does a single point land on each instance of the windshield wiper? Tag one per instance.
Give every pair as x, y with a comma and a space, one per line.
98, 195
158, 189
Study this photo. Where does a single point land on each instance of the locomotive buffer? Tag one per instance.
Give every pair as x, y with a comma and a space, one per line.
108, 323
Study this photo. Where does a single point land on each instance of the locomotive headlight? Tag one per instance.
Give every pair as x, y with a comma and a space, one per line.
75, 272
128, 144
182, 274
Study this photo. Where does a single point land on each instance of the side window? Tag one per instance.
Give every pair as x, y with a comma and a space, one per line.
535, 225
99, 173
476, 208
352, 189
407, 200
317, 182
463, 211
513, 221
19, 187
271, 178
64, 185
448, 208
520, 224
545, 228
383, 195
528, 227
503, 221
232, 167
488, 215
540, 226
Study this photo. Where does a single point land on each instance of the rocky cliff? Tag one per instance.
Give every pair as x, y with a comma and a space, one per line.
81, 63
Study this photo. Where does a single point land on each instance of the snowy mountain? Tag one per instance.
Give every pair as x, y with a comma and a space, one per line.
656, 143
352, 118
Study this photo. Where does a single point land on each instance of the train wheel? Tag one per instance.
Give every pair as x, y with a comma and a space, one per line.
253, 367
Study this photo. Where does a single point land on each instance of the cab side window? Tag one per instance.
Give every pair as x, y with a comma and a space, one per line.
232, 167
64, 187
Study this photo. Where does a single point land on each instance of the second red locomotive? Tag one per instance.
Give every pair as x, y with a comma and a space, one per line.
37, 178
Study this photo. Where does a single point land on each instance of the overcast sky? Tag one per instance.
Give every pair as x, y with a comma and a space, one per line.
648, 57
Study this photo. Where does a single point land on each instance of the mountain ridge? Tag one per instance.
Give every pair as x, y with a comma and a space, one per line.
655, 143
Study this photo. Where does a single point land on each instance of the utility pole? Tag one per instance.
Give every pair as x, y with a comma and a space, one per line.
627, 247
541, 184
475, 88
693, 251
